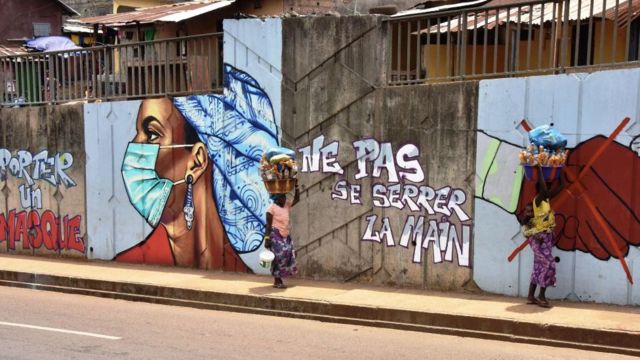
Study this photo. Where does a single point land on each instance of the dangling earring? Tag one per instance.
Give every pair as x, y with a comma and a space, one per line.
188, 209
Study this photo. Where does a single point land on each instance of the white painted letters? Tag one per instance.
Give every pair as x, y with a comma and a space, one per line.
440, 223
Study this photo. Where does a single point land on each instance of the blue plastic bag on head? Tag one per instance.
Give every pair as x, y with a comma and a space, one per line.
278, 150
547, 137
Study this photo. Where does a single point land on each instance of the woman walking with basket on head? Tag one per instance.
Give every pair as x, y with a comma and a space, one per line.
538, 227
279, 172
539, 222
278, 239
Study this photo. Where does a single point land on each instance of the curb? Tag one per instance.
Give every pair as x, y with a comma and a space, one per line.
611, 341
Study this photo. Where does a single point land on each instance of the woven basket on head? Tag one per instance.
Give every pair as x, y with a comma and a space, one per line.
279, 186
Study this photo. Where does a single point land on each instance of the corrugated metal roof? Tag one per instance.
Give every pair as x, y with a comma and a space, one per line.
435, 9
163, 13
74, 26
11, 50
623, 12
77, 28
578, 9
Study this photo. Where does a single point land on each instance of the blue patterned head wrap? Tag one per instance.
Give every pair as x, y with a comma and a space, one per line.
237, 128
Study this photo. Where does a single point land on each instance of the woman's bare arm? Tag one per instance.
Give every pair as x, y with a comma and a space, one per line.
542, 185
296, 195
267, 231
558, 189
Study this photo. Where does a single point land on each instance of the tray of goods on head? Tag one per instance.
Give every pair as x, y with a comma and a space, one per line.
279, 170
547, 150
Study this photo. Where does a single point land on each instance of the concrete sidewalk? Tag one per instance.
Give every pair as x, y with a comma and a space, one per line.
567, 324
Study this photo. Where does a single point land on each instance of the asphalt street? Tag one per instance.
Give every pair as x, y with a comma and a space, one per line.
47, 325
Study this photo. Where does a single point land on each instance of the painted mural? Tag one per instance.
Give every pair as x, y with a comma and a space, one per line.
604, 186
31, 226
608, 187
192, 172
437, 218
156, 160
598, 211
41, 186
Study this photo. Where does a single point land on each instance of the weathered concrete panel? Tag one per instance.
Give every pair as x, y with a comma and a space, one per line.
334, 93
42, 181
319, 54
440, 120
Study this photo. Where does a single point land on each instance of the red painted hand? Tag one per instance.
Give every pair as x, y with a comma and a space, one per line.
611, 186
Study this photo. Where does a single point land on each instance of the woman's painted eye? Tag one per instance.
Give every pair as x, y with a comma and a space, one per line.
153, 136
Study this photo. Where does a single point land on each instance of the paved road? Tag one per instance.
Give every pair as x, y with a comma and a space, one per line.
46, 325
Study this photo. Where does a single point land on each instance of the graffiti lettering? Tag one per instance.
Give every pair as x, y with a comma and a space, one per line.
442, 236
402, 190
343, 191
30, 198
37, 167
380, 156
311, 156
445, 200
31, 168
34, 230
385, 232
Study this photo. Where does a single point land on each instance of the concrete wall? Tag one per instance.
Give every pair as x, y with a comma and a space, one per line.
334, 103
587, 108
42, 181
344, 7
91, 7
347, 7
388, 175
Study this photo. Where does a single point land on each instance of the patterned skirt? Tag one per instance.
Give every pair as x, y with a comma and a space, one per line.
544, 265
284, 265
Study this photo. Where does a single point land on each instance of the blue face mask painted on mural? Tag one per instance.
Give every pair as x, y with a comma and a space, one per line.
147, 191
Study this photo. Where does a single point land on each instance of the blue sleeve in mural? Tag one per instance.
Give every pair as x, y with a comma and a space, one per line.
237, 128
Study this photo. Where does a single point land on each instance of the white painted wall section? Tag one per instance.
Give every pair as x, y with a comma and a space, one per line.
113, 225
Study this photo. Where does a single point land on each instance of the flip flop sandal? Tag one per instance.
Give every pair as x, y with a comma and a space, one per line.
279, 286
532, 302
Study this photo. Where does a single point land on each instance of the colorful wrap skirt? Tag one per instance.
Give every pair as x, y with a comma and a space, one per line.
284, 264
544, 264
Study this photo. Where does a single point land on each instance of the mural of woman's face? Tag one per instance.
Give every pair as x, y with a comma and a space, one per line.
159, 122
169, 149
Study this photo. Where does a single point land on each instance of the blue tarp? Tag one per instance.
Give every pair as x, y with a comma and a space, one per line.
51, 43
